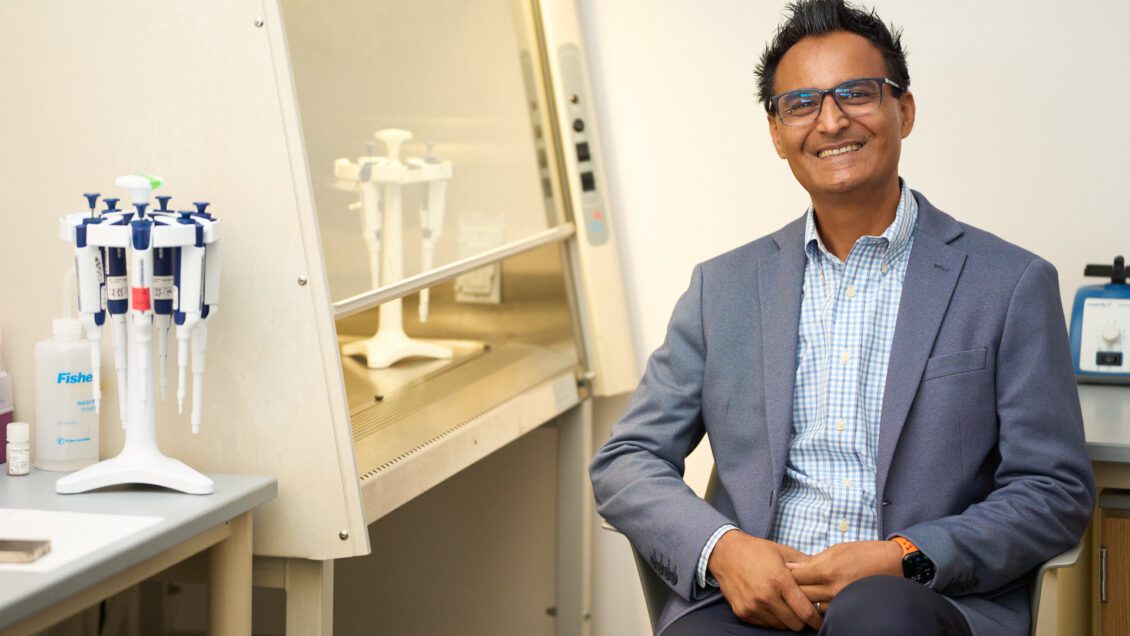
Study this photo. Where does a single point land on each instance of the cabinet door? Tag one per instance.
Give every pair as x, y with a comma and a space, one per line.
1115, 611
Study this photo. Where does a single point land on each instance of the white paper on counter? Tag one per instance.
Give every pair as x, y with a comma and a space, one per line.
73, 535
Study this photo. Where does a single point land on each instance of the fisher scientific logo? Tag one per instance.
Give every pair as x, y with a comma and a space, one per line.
74, 378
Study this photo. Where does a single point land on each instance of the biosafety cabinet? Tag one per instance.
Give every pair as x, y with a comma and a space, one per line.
419, 262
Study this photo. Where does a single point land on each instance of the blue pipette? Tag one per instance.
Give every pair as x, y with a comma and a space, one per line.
163, 296
117, 301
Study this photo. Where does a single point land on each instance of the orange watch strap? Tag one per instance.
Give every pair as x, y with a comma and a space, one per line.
907, 545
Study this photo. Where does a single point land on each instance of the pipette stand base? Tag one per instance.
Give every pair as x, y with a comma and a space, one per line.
383, 352
141, 461
391, 345
137, 468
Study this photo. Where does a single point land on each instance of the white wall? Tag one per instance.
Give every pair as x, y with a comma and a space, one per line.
1021, 130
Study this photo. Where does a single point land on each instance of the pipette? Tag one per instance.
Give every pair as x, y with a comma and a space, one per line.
210, 305
117, 300
141, 263
431, 223
141, 295
190, 298
163, 296
91, 282
371, 216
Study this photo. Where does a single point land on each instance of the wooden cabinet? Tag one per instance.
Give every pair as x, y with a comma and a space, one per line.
1114, 573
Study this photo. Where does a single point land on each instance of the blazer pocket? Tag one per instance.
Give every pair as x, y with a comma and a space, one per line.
954, 363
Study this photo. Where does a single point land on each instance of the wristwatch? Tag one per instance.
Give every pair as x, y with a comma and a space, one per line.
916, 566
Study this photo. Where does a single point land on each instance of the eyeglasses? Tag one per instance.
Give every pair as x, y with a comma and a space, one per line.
853, 97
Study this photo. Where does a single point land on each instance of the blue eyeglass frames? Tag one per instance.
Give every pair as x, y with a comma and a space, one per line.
853, 97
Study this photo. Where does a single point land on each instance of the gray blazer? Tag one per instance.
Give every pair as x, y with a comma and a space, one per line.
981, 458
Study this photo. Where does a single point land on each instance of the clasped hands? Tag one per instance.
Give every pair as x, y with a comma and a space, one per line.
773, 585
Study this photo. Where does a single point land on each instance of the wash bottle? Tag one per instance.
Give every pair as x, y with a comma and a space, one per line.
66, 424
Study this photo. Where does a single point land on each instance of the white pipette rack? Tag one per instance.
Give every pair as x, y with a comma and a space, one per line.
192, 238
380, 180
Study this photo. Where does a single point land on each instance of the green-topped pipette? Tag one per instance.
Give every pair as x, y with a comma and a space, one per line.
139, 186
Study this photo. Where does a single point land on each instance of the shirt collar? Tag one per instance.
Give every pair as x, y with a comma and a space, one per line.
896, 236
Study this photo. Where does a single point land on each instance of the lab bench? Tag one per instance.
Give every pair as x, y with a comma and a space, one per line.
183, 525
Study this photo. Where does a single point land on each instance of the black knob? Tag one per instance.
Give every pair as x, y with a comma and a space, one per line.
1117, 272
578, 125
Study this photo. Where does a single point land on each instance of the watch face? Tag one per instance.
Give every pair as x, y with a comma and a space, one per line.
918, 568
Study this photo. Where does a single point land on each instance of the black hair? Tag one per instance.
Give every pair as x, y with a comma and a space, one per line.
808, 18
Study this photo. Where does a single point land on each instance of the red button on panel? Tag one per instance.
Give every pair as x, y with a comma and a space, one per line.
597, 215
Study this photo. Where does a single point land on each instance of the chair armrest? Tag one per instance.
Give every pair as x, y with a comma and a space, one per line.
1064, 559
655, 591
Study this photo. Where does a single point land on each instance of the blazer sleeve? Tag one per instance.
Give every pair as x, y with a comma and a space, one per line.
1044, 483
637, 474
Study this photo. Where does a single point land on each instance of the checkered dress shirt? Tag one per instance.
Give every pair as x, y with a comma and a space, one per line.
847, 324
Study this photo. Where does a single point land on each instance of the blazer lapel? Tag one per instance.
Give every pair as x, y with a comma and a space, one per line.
780, 279
931, 275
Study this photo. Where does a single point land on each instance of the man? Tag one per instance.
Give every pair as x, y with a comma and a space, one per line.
887, 391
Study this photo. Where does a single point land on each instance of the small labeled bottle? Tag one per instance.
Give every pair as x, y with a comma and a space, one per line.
66, 424
17, 450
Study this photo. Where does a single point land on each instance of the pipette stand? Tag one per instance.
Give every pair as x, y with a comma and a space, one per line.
386, 177
141, 461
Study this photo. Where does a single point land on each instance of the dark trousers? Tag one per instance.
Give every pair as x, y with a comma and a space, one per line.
874, 606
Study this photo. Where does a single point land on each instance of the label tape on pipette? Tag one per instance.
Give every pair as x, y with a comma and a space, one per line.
163, 288
98, 267
116, 288
140, 299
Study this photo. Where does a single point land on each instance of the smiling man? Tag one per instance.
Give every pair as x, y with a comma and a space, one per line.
887, 391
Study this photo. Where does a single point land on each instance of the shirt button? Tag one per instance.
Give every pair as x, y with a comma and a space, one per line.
840, 425
850, 291
845, 356
843, 525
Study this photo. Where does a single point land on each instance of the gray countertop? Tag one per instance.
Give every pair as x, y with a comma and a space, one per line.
23, 594
1106, 420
